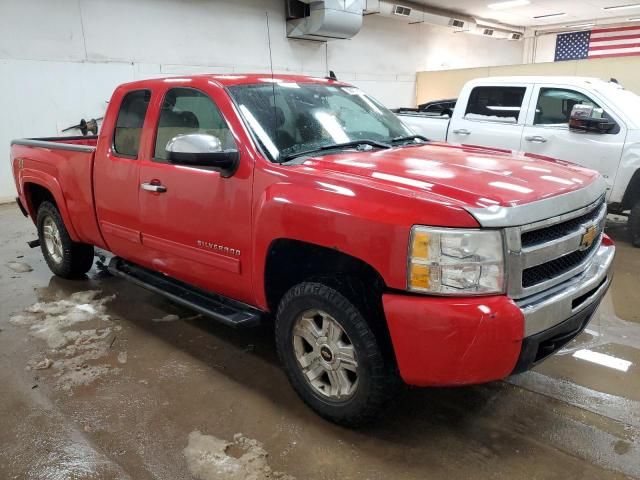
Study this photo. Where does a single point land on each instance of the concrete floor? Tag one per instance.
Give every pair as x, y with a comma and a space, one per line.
130, 383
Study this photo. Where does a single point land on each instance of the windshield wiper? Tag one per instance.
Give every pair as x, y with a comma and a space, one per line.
408, 139
335, 146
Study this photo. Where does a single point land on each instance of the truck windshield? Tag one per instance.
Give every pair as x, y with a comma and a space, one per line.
289, 118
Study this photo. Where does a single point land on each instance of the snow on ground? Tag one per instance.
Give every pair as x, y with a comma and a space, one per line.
211, 458
167, 318
175, 318
20, 267
74, 353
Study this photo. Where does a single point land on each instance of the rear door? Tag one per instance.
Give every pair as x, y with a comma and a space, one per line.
547, 131
490, 116
198, 227
116, 170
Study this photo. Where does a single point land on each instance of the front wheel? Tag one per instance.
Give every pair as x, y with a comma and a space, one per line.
331, 355
64, 257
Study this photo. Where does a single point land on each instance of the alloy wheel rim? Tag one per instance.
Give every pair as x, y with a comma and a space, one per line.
325, 355
52, 240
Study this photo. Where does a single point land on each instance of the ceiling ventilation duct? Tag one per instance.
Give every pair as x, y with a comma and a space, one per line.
413, 13
401, 11
324, 20
496, 30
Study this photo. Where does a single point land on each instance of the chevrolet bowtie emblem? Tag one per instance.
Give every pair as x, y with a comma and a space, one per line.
588, 237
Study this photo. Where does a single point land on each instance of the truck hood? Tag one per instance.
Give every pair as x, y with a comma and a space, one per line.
468, 176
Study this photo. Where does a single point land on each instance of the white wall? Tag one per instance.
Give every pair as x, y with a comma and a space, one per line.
544, 48
60, 59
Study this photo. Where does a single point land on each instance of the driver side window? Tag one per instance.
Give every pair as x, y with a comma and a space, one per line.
555, 104
186, 110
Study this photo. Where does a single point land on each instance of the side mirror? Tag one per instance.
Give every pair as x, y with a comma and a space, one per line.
202, 150
586, 118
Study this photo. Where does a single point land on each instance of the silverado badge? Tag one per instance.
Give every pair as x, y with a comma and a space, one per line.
588, 237
218, 248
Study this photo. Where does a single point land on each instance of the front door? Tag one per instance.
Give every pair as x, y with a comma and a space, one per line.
547, 132
196, 224
491, 116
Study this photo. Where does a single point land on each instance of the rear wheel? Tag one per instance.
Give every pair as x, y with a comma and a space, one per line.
65, 258
634, 224
331, 355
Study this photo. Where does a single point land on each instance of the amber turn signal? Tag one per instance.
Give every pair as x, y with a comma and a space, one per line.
419, 276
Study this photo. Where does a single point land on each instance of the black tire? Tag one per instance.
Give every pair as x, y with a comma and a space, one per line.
634, 225
76, 258
377, 380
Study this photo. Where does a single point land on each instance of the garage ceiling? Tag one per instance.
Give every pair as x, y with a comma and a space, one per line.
532, 15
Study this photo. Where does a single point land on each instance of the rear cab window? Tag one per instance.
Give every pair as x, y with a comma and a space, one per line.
495, 103
133, 110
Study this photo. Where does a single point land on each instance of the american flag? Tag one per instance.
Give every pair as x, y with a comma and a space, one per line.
599, 43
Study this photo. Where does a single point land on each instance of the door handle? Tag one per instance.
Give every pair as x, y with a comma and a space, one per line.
153, 187
536, 139
462, 131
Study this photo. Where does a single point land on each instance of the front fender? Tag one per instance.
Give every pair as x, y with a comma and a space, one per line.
369, 224
625, 187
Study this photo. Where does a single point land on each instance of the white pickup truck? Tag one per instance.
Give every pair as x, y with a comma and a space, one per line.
588, 121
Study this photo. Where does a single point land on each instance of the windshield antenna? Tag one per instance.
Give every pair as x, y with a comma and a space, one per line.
273, 84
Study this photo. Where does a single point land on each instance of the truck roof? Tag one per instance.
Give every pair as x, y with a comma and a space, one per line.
230, 79
559, 79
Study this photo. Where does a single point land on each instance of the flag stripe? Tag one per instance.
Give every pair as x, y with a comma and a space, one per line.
614, 42
615, 29
613, 47
619, 38
628, 54
612, 53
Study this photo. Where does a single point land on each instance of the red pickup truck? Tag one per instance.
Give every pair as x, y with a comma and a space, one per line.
379, 256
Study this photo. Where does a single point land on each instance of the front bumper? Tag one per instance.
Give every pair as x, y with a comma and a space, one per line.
445, 341
546, 309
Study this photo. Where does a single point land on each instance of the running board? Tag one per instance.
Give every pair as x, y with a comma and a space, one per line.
220, 308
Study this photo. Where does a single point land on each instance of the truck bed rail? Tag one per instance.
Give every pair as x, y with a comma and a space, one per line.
59, 143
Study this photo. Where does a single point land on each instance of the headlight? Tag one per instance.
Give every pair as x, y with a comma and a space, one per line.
447, 261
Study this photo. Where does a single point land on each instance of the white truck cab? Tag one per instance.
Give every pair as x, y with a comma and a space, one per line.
534, 115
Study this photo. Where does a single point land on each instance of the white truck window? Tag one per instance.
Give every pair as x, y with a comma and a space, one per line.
555, 104
496, 103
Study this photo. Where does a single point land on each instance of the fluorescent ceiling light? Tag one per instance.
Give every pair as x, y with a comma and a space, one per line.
508, 4
634, 19
559, 14
603, 359
622, 7
580, 25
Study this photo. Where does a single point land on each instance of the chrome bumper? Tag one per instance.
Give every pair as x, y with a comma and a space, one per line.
551, 307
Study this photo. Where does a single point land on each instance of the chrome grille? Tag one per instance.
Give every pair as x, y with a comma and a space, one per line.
558, 230
550, 270
547, 253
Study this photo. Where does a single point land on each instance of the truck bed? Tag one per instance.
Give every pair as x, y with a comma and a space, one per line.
63, 166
